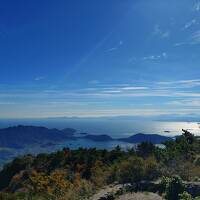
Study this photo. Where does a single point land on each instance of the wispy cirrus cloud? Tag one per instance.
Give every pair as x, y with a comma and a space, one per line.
180, 84
190, 23
156, 57
115, 47
150, 89
195, 38
160, 33
39, 78
105, 99
186, 102
197, 6
134, 88
111, 49
180, 44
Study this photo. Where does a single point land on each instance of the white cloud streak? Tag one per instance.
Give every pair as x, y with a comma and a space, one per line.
197, 6
186, 102
39, 78
195, 38
104, 99
159, 32
116, 47
190, 23
182, 83
156, 57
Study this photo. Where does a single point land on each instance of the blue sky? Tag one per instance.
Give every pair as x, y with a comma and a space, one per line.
99, 58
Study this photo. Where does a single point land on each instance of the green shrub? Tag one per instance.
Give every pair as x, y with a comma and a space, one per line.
173, 187
131, 170
185, 196
164, 182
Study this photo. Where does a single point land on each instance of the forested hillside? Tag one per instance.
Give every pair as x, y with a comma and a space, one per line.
78, 174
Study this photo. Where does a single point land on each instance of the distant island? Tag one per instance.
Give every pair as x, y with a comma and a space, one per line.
140, 137
18, 136
145, 171
98, 138
20, 140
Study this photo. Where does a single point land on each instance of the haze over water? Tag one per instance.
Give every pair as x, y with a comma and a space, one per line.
113, 127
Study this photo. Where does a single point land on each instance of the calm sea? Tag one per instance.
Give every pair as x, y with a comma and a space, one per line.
113, 127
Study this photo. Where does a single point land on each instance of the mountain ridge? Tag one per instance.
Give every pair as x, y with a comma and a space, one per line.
141, 137
18, 136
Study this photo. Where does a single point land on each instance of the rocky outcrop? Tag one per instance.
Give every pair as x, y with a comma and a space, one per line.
193, 188
109, 192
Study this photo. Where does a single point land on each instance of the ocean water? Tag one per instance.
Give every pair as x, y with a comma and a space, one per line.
114, 127
7, 155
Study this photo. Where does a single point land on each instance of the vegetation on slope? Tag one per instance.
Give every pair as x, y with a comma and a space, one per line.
77, 174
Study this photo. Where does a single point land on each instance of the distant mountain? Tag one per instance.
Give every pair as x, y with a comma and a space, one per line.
98, 138
83, 133
18, 136
69, 131
140, 137
137, 138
